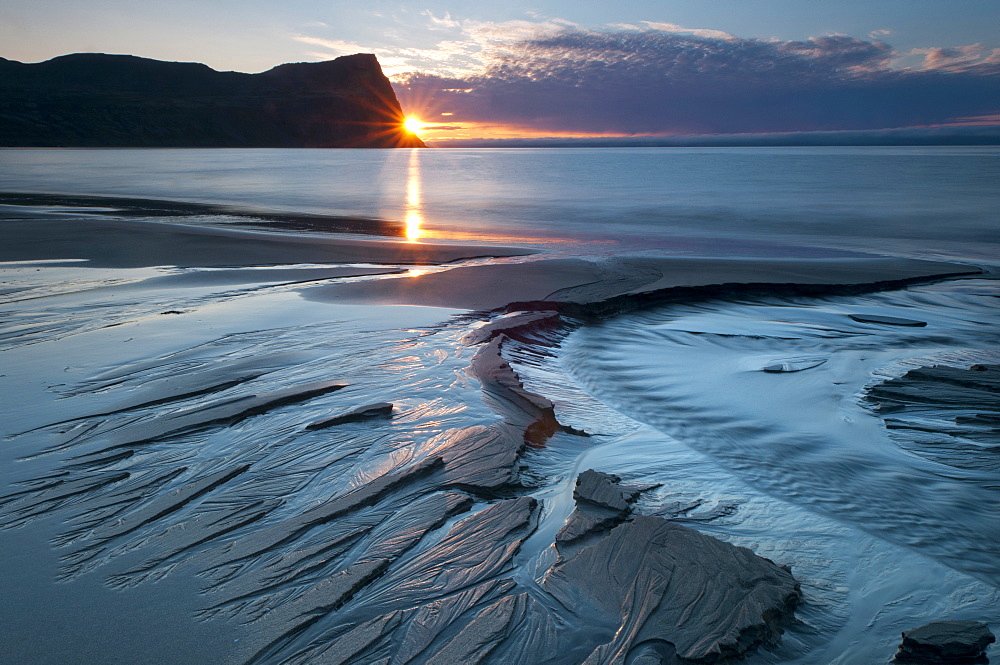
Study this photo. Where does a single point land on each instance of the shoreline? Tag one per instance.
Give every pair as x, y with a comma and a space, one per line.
451, 476
95, 241
109, 243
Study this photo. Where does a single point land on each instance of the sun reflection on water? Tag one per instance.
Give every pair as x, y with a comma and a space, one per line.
416, 231
414, 201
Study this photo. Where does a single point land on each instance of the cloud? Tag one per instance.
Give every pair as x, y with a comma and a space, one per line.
545, 74
958, 58
660, 78
334, 46
673, 28
835, 53
465, 48
445, 22
449, 58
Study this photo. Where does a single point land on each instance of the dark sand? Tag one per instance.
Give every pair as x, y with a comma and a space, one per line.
458, 593
125, 244
105, 243
577, 281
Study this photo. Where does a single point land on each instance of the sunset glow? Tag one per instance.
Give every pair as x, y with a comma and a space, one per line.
441, 133
413, 125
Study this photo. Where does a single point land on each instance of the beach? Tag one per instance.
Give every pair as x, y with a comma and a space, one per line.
233, 440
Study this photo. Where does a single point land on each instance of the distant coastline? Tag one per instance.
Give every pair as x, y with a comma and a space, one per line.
920, 136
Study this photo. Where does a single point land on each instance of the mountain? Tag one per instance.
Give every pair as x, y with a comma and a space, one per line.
99, 100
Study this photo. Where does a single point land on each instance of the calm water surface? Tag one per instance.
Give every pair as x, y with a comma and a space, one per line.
926, 201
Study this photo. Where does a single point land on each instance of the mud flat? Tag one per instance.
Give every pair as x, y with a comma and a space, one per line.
341, 479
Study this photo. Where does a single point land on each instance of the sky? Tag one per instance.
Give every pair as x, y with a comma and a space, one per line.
581, 68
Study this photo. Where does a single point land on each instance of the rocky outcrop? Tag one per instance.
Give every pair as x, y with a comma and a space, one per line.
99, 100
963, 404
601, 504
944, 642
672, 594
506, 395
660, 581
519, 325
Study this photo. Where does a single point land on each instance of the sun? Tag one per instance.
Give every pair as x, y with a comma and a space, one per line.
413, 125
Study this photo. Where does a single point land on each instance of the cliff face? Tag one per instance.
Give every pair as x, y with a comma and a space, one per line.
97, 100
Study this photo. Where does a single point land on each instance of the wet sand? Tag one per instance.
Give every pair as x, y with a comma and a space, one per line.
549, 282
106, 243
435, 534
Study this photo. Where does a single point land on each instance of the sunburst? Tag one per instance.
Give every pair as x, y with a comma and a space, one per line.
413, 125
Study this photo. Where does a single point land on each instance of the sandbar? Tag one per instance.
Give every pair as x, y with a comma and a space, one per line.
580, 281
108, 243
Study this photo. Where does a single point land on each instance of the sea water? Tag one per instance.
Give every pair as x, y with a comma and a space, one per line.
929, 202
883, 532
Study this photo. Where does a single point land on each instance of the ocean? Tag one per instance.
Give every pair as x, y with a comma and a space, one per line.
863, 456
928, 202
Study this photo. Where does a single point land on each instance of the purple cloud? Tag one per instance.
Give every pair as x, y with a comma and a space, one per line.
651, 82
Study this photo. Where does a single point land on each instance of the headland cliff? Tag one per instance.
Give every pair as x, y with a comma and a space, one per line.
99, 100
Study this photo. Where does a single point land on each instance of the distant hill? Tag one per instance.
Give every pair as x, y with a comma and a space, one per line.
98, 100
